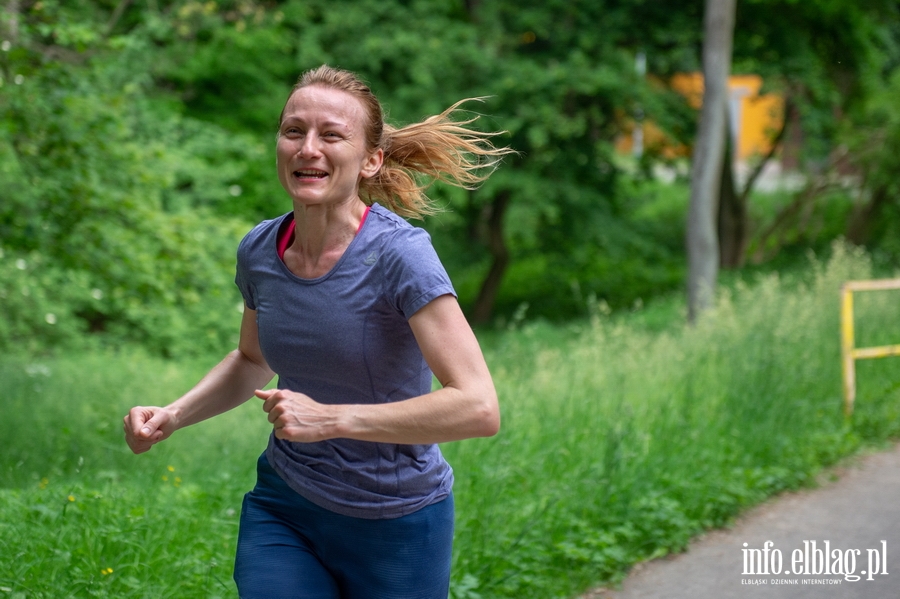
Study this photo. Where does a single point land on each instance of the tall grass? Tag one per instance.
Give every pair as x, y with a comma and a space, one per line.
620, 442
80, 516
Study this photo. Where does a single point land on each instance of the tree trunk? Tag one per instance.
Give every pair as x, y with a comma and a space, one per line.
484, 305
12, 21
709, 150
732, 215
860, 226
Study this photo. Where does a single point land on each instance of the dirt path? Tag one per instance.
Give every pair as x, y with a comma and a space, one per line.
860, 511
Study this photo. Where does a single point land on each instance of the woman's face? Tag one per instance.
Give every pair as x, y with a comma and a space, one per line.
321, 150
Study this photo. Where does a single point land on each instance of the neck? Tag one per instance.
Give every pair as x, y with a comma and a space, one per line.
321, 235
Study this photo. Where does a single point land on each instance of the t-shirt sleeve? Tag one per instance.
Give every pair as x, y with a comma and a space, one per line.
242, 276
414, 273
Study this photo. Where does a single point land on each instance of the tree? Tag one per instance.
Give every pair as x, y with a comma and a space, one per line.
709, 152
828, 60
565, 94
874, 141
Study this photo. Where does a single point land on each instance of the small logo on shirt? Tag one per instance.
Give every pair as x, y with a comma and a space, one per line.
370, 259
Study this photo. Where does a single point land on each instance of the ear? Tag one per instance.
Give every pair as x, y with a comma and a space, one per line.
372, 164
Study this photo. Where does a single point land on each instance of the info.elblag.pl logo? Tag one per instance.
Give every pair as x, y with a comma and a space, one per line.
814, 559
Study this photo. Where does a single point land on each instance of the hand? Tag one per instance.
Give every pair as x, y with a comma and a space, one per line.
147, 426
297, 417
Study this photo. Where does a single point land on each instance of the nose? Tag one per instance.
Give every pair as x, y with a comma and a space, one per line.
309, 145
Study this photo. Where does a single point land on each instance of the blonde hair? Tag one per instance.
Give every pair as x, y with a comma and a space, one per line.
439, 148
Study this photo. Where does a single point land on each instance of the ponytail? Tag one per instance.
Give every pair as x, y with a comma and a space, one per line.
438, 148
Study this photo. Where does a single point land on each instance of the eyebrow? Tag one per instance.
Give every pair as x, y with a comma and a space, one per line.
328, 123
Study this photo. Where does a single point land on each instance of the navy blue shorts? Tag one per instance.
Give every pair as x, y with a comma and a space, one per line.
290, 548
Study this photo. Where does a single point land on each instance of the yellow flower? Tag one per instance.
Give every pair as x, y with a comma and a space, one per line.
44, 482
106, 571
171, 468
71, 498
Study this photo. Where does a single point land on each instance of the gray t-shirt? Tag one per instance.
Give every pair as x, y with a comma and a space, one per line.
344, 338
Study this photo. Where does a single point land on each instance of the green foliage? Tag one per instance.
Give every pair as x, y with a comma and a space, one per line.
819, 55
617, 260
112, 111
873, 140
120, 129
561, 93
38, 301
114, 212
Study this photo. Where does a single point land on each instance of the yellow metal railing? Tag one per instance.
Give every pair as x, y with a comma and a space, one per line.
849, 353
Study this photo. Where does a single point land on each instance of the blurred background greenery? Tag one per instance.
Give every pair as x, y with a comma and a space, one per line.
137, 137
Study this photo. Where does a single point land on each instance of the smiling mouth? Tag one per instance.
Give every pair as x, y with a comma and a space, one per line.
310, 173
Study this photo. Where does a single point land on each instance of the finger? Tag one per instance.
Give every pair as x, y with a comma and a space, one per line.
151, 430
147, 430
133, 430
134, 420
134, 425
266, 397
275, 398
136, 445
139, 447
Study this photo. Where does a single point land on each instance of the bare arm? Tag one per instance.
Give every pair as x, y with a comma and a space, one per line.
228, 384
466, 405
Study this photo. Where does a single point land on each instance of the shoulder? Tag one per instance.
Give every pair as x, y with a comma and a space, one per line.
395, 231
384, 218
262, 235
409, 266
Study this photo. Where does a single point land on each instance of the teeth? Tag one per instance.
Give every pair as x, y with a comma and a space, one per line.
309, 173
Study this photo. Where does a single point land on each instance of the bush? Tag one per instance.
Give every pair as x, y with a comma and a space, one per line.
114, 221
166, 284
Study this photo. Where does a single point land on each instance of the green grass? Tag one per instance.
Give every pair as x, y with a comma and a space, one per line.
623, 437
75, 503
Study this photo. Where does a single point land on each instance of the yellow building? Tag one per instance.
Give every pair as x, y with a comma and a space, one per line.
754, 118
